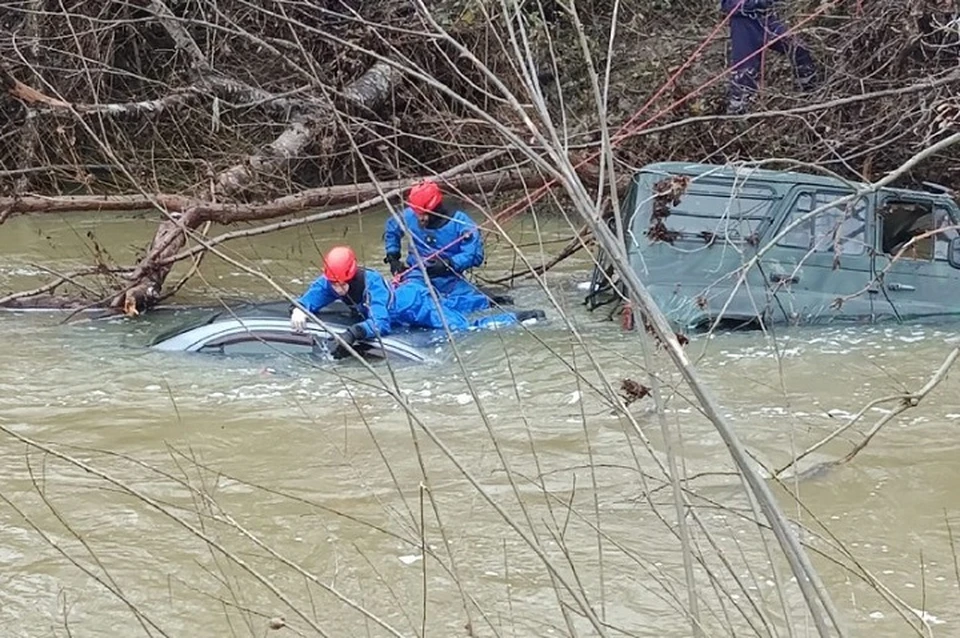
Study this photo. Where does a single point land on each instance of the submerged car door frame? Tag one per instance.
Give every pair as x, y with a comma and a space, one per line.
915, 287
808, 283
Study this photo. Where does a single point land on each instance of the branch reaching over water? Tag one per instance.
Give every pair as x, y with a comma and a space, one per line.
580, 240
906, 402
505, 179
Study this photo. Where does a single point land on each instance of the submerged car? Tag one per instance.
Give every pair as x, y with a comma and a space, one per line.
264, 329
817, 250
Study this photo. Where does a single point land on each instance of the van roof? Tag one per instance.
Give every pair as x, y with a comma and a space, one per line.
786, 177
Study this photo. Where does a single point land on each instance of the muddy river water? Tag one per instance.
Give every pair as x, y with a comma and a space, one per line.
146, 493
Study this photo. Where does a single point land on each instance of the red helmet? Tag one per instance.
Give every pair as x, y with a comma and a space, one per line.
340, 265
424, 197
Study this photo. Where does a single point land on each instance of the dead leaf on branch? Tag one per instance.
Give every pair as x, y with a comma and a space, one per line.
633, 391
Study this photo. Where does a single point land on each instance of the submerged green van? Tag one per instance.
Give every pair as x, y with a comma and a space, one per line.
691, 229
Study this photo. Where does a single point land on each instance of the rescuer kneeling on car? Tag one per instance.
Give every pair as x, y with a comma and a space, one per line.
448, 243
379, 307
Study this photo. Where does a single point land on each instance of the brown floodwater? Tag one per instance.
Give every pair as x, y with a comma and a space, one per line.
168, 494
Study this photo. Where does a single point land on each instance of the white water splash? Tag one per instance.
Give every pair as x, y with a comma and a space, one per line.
927, 617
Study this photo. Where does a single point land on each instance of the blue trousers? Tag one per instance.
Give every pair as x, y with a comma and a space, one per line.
456, 292
750, 33
413, 306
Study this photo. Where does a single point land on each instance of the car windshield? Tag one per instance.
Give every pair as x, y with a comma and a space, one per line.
263, 342
180, 328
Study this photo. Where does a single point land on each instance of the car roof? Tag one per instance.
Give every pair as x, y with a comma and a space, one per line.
785, 177
335, 314
274, 317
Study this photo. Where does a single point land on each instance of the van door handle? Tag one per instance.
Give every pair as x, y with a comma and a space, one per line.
780, 278
896, 286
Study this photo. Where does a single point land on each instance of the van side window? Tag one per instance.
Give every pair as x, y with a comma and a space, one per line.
830, 228
908, 226
944, 221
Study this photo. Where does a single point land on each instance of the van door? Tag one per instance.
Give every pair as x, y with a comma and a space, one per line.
821, 270
915, 278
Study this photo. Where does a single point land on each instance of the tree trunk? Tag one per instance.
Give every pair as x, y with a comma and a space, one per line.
180, 36
290, 144
219, 87
152, 271
367, 92
463, 178
372, 88
226, 213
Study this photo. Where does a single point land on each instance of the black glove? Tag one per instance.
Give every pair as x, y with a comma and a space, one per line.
396, 265
350, 336
438, 268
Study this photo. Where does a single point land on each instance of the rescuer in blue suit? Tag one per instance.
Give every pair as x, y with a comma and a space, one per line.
754, 23
378, 307
449, 244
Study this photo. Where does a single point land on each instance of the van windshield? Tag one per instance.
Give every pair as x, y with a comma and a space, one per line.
720, 209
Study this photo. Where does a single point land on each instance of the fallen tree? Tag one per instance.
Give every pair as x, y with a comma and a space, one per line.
150, 273
367, 92
227, 212
142, 284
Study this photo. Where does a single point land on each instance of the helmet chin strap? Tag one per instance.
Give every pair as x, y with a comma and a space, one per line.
356, 289
434, 218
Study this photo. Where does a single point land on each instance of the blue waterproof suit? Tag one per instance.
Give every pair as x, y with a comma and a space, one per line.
382, 309
413, 306
460, 254
368, 297
753, 24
